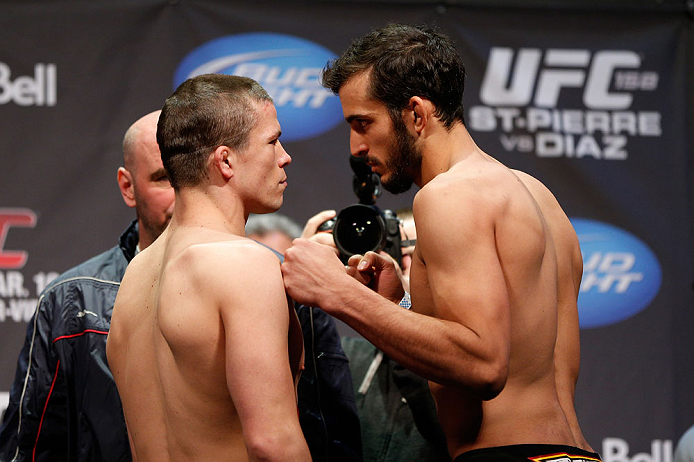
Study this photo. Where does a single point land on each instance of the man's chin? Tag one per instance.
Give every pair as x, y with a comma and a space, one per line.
268, 208
396, 185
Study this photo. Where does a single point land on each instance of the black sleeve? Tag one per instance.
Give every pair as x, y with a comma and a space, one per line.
37, 405
327, 411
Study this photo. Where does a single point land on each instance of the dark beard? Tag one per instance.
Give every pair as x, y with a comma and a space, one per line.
404, 160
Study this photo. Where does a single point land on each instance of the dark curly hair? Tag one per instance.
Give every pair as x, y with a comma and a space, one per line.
405, 61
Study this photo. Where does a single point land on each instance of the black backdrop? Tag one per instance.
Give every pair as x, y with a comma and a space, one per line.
593, 99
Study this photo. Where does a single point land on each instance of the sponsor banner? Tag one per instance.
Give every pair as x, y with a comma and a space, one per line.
575, 94
18, 290
39, 89
621, 275
617, 450
566, 102
288, 67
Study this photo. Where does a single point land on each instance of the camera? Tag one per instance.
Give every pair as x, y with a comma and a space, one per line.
364, 227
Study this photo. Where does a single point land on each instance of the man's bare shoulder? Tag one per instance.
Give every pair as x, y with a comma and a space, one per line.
480, 187
132, 300
551, 209
239, 247
138, 274
232, 275
539, 191
242, 256
460, 208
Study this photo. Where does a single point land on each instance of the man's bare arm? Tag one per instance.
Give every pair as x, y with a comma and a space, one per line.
467, 343
259, 377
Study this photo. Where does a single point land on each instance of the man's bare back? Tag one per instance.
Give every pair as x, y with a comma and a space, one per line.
192, 299
204, 346
508, 236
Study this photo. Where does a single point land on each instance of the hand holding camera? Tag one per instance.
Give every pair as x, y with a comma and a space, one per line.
363, 227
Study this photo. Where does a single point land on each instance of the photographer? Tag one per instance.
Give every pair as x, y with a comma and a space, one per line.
327, 412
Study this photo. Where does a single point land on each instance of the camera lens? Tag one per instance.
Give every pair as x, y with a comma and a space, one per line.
358, 229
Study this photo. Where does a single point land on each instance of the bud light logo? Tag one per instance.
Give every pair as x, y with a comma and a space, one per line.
621, 275
288, 67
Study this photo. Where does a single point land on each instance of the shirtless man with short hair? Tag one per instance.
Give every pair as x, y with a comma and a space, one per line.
496, 268
204, 346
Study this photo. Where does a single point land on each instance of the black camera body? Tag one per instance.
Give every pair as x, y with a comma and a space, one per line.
364, 227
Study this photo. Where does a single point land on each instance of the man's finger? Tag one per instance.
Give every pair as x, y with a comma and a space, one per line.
371, 260
325, 239
315, 221
354, 260
362, 263
359, 276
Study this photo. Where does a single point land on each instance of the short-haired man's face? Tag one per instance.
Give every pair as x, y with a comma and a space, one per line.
260, 176
389, 149
154, 196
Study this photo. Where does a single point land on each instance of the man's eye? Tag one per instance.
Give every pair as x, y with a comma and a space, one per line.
359, 124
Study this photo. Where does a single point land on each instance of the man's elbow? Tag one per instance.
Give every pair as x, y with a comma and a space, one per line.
277, 445
487, 380
493, 379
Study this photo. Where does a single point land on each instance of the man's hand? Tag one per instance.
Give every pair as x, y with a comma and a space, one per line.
322, 237
380, 272
315, 221
311, 271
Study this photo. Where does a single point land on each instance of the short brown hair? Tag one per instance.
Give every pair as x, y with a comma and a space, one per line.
203, 113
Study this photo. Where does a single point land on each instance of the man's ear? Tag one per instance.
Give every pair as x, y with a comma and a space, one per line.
125, 184
420, 113
222, 161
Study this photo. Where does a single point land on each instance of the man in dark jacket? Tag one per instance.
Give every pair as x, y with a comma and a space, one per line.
63, 402
64, 405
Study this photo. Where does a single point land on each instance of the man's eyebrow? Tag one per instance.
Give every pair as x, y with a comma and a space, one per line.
353, 117
158, 174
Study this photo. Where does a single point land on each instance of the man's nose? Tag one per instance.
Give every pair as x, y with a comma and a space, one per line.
357, 145
285, 158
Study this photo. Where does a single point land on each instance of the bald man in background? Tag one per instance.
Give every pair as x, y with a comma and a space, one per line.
63, 402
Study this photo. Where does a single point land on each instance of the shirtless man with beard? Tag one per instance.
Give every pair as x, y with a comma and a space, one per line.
496, 269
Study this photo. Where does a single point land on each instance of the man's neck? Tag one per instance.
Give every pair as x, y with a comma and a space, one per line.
144, 240
208, 209
443, 149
